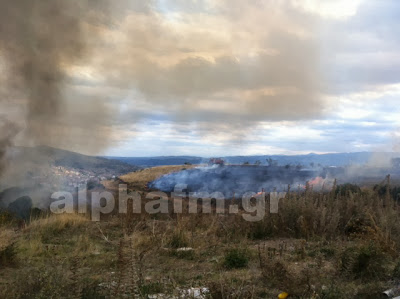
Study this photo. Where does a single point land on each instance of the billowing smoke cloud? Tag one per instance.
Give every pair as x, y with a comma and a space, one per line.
40, 42
69, 65
218, 61
7, 132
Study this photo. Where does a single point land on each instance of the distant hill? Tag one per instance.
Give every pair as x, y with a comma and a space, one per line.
44, 155
30, 166
37, 172
336, 159
160, 161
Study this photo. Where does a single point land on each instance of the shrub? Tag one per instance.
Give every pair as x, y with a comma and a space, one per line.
178, 239
327, 252
333, 292
43, 282
260, 230
151, 289
236, 258
396, 271
6, 218
8, 256
345, 189
184, 254
230, 288
366, 262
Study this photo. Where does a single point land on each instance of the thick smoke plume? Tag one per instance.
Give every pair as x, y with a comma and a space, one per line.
39, 41
7, 132
63, 61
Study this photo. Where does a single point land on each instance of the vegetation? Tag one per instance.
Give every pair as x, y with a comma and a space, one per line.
139, 179
236, 258
327, 245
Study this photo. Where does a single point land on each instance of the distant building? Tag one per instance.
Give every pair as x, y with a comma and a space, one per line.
216, 161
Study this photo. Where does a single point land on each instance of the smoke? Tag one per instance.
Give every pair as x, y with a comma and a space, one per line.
236, 180
7, 132
41, 41
219, 62
66, 65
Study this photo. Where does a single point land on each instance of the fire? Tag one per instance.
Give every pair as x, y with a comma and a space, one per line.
320, 183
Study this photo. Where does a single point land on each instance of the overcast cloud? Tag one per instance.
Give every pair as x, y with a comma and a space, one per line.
218, 77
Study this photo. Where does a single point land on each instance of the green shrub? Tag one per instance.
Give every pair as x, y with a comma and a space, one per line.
43, 282
333, 292
91, 290
365, 262
184, 254
178, 240
396, 271
151, 289
8, 256
260, 231
345, 189
236, 258
327, 252
6, 218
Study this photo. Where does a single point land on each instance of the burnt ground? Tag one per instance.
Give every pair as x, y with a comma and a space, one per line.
235, 178
239, 179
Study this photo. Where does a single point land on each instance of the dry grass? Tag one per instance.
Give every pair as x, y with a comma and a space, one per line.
7, 236
139, 179
58, 222
315, 240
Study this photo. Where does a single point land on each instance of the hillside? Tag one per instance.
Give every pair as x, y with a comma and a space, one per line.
334, 159
44, 155
160, 161
38, 171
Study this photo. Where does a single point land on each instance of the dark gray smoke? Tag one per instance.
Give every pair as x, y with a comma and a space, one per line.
39, 41
7, 132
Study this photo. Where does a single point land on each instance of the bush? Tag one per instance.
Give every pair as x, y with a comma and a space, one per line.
333, 292
8, 256
236, 259
43, 282
345, 189
178, 240
260, 230
327, 252
184, 254
396, 271
6, 218
366, 262
151, 289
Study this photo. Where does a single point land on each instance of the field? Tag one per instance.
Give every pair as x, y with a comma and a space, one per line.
138, 180
338, 244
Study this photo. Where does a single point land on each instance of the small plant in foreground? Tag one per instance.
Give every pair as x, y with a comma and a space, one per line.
8, 256
178, 239
365, 262
236, 258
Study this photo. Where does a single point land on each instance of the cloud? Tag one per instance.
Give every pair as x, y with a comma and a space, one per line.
219, 66
211, 71
363, 51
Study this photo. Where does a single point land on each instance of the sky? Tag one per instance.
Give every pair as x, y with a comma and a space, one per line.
219, 77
